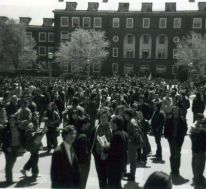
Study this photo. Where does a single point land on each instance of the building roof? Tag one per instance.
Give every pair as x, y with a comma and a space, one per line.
39, 9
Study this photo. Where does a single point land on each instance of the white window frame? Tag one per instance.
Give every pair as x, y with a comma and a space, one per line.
143, 23
127, 22
50, 33
145, 50
96, 71
97, 18
89, 25
144, 68
114, 71
165, 21
65, 39
115, 20
115, 54
195, 20
179, 21
44, 50
44, 36
160, 68
161, 50
78, 19
64, 25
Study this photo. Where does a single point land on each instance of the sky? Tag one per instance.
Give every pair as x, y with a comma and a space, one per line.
39, 9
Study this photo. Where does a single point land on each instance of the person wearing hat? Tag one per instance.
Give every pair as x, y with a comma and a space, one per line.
64, 165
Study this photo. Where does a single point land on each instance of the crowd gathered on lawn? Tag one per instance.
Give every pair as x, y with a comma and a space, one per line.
108, 118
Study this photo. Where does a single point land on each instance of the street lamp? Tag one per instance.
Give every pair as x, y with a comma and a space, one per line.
50, 56
88, 67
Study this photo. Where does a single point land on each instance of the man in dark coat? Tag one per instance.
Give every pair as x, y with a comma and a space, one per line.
64, 166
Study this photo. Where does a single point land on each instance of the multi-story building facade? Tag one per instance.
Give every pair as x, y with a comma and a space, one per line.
141, 41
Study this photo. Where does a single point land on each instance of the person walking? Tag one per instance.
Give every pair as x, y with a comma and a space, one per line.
64, 166
175, 131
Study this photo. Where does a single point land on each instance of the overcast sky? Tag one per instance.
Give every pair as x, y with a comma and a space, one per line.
39, 9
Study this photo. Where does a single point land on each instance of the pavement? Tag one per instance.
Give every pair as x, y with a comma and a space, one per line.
142, 173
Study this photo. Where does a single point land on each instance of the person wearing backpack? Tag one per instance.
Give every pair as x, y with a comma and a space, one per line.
134, 141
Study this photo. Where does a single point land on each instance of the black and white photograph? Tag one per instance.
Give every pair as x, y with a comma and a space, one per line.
103, 94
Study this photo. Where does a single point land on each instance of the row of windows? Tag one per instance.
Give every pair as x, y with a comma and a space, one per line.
42, 50
43, 36
144, 54
177, 22
143, 68
86, 22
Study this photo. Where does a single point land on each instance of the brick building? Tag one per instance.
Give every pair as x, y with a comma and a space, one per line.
141, 41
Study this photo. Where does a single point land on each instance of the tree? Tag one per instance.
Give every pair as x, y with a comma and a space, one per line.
86, 47
16, 48
191, 53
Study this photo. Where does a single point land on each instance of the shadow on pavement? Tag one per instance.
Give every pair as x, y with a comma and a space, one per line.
4, 184
178, 180
131, 185
26, 182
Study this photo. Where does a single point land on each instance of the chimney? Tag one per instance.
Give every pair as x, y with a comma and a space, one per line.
48, 22
123, 7
25, 20
3, 18
71, 6
202, 6
146, 7
93, 6
170, 7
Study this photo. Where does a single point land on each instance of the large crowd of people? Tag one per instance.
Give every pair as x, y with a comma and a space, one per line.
109, 118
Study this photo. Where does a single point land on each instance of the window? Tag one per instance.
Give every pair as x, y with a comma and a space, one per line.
177, 22
97, 22
115, 52
50, 37
146, 39
197, 23
130, 39
161, 69
115, 22
29, 35
96, 67
42, 51
130, 54
161, 54
75, 22
146, 23
144, 68
42, 36
145, 54
161, 39
86, 22
163, 23
174, 53
129, 23
74, 67
114, 68
64, 36
64, 21
50, 49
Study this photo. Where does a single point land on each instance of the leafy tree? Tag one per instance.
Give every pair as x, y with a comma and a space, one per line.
16, 48
86, 46
191, 53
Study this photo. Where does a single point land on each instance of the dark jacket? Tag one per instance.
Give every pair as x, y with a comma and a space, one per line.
63, 174
181, 128
198, 106
158, 121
